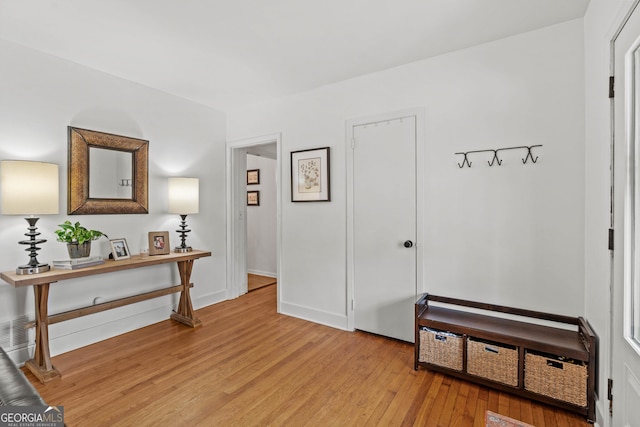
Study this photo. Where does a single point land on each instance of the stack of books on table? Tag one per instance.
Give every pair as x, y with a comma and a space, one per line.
74, 263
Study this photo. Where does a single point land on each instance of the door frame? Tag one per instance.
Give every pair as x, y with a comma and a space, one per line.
419, 114
236, 162
609, 349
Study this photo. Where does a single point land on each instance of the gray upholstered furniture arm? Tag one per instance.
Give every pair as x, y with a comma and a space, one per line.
15, 389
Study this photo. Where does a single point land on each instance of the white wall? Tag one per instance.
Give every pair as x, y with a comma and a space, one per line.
512, 234
41, 96
261, 220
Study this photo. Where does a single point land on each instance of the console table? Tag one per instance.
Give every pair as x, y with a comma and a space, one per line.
41, 365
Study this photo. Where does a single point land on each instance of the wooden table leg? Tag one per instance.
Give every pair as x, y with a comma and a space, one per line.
41, 365
184, 313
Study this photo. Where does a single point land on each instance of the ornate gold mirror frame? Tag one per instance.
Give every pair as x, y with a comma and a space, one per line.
78, 200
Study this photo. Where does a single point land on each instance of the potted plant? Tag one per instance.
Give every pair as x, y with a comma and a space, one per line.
77, 238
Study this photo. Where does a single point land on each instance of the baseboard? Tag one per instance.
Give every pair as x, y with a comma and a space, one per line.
210, 299
333, 320
77, 338
262, 273
21, 354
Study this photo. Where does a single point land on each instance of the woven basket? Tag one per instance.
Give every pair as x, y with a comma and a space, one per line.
495, 362
560, 379
441, 348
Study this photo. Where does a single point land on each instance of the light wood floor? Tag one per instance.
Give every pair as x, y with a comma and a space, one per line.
255, 281
250, 366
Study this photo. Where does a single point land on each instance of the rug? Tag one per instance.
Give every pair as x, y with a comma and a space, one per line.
491, 419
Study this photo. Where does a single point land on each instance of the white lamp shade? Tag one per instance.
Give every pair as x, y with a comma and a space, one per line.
28, 188
184, 196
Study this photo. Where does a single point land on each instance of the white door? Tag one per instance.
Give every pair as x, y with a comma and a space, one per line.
625, 289
384, 227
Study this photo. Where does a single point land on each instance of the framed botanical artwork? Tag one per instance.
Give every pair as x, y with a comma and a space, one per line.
310, 180
253, 176
159, 243
119, 249
253, 198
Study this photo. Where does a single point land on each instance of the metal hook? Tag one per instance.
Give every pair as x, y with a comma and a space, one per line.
529, 155
466, 160
495, 157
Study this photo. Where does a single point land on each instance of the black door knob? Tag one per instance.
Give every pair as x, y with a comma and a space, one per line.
408, 244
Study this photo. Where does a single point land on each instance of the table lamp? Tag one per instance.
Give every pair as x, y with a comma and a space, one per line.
29, 188
184, 199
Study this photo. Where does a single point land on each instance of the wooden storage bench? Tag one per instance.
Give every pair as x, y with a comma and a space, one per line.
500, 347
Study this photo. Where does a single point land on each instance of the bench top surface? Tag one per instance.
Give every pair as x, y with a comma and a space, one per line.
533, 336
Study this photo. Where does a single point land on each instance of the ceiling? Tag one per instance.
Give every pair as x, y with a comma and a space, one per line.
226, 54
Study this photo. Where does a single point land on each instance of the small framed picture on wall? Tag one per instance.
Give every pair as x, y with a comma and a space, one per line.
253, 177
253, 198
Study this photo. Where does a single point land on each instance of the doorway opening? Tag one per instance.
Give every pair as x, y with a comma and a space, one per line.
261, 217
259, 153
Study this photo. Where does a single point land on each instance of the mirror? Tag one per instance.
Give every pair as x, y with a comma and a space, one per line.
107, 173
110, 174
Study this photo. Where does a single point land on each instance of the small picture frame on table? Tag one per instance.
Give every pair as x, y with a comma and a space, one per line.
253, 198
119, 249
159, 243
253, 177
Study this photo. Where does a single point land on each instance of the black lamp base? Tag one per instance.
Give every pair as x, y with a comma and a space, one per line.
34, 267
183, 236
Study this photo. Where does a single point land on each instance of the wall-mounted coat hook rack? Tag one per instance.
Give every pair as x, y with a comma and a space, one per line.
495, 159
